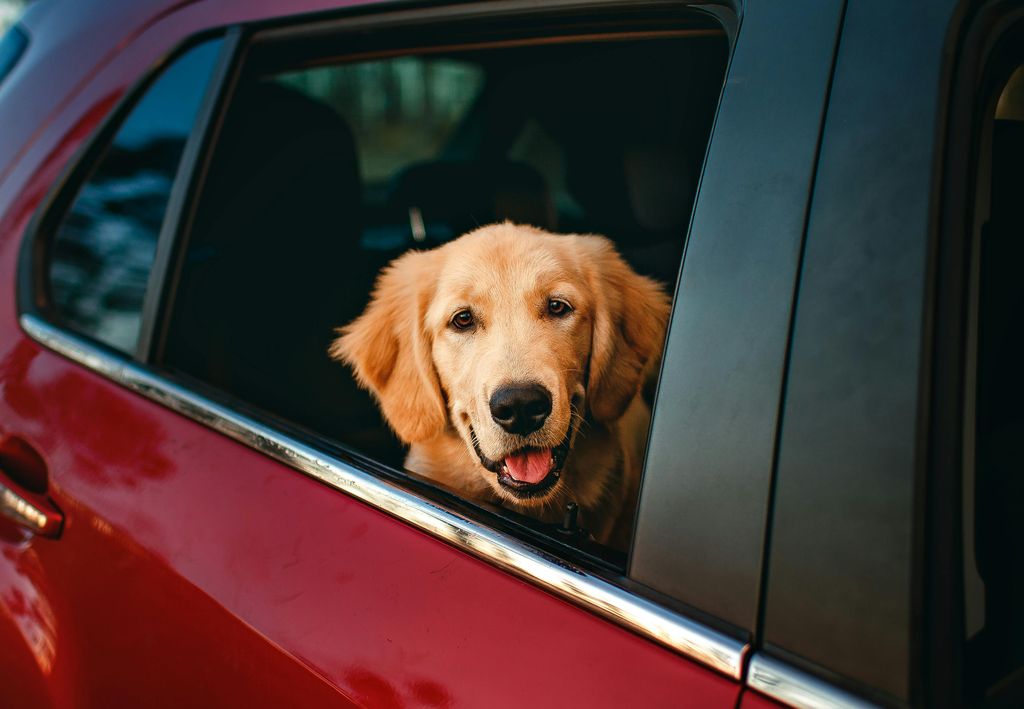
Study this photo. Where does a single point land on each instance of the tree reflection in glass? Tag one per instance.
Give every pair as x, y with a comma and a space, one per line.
102, 251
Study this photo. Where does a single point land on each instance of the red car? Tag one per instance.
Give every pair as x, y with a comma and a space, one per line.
200, 508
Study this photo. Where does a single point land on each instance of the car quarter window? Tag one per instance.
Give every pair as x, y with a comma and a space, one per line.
329, 168
100, 255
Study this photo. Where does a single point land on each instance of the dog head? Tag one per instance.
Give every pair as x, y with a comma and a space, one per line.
507, 337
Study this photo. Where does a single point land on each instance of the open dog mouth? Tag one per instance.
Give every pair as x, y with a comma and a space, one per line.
528, 472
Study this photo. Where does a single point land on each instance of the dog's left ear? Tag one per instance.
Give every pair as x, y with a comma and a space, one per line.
629, 321
389, 349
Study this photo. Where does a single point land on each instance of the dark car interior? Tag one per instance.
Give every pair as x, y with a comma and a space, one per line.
994, 652
997, 650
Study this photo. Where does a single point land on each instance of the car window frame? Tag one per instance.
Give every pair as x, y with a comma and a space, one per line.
706, 640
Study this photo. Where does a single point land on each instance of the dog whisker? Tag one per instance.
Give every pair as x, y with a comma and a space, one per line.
581, 420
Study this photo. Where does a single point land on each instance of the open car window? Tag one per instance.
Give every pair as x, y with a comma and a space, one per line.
327, 171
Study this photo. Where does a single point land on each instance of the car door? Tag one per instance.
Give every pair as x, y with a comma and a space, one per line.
858, 607
214, 552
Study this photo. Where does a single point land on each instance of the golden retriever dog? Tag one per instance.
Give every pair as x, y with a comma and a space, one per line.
510, 360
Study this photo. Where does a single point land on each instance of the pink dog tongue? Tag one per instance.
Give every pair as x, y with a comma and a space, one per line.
530, 466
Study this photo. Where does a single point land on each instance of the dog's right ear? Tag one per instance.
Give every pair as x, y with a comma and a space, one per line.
388, 347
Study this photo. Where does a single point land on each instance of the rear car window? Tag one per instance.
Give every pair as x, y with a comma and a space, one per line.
328, 169
102, 251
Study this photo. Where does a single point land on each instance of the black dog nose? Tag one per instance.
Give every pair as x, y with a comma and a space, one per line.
521, 409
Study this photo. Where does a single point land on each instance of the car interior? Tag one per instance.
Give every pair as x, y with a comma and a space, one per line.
996, 655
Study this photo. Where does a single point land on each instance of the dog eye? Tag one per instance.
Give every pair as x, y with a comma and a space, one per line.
462, 320
559, 308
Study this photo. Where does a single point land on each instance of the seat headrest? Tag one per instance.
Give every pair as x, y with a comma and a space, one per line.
453, 197
1007, 175
285, 168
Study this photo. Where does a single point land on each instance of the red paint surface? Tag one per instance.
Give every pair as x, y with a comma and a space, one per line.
193, 570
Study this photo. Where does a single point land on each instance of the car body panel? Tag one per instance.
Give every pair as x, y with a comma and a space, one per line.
254, 555
841, 589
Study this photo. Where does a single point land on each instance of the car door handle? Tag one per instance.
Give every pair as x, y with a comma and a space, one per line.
24, 480
29, 509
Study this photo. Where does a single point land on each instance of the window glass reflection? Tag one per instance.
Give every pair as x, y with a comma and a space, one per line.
103, 250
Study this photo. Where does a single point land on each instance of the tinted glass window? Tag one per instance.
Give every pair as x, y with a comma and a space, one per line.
323, 176
102, 251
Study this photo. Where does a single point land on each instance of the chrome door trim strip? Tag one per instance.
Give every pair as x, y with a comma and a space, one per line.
796, 688
683, 635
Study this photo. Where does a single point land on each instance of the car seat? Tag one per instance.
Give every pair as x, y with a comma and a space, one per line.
274, 265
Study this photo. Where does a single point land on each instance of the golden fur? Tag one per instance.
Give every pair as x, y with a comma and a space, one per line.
433, 381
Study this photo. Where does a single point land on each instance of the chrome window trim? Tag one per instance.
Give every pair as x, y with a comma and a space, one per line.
683, 635
796, 688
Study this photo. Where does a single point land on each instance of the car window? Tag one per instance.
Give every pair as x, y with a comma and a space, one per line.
102, 250
994, 487
327, 173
